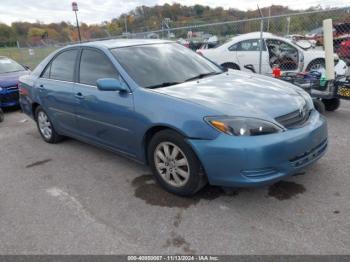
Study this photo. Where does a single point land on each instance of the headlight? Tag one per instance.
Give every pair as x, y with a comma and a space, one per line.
0, 88
242, 126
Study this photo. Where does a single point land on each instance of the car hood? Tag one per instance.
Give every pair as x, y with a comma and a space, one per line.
237, 93
10, 79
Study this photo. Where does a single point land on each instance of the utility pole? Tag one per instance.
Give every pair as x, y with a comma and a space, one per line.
268, 20
261, 39
288, 25
165, 26
75, 9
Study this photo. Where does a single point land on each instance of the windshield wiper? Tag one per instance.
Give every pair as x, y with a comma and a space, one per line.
202, 76
165, 84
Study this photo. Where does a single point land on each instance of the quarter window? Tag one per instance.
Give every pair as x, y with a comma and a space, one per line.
62, 67
95, 65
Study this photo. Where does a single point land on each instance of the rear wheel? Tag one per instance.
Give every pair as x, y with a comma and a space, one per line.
230, 66
316, 64
331, 104
174, 164
45, 127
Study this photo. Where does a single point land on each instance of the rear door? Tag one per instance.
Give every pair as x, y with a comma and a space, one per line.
55, 89
248, 52
103, 116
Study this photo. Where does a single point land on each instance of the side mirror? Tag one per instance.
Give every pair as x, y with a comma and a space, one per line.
111, 84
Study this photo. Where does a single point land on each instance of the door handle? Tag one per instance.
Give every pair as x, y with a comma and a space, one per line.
79, 95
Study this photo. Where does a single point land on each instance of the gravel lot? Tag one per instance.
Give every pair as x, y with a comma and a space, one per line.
73, 198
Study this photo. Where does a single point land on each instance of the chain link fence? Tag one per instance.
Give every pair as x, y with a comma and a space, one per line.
291, 42
30, 57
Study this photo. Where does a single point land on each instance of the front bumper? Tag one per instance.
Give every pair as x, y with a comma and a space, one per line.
260, 160
9, 98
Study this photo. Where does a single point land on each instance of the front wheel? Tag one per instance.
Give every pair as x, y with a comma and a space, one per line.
45, 127
316, 65
174, 164
331, 104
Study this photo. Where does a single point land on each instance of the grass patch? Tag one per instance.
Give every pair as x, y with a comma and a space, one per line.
25, 56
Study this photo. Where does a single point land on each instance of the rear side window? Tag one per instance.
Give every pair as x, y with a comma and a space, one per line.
248, 45
95, 65
62, 67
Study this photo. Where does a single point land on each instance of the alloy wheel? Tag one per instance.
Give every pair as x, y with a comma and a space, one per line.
172, 164
317, 66
44, 125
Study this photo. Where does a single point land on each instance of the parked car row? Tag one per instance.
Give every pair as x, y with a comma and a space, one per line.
288, 55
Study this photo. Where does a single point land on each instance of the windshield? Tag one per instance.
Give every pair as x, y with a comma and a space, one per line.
162, 65
7, 66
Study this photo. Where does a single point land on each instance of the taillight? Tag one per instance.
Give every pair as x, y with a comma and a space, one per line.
22, 90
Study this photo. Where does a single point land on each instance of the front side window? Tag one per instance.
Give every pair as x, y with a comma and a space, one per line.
95, 65
62, 67
163, 64
282, 54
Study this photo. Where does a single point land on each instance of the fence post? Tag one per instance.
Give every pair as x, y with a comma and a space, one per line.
261, 44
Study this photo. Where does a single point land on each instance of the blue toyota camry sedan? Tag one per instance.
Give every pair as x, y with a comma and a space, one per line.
163, 105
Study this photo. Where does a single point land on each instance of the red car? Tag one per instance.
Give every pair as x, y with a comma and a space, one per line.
344, 49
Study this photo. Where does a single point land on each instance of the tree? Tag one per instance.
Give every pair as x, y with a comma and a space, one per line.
7, 35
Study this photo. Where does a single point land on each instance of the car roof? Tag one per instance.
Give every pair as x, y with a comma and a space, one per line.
254, 35
118, 43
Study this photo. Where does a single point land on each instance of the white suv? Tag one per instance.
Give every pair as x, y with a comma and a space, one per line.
245, 49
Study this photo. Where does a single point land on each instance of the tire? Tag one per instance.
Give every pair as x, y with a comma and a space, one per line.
319, 106
331, 104
184, 179
230, 66
2, 115
316, 64
45, 127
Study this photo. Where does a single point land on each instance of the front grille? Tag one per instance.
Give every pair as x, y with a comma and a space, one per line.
308, 156
294, 119
6, 98
12, 87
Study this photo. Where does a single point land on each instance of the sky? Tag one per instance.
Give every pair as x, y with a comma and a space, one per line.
97, 11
